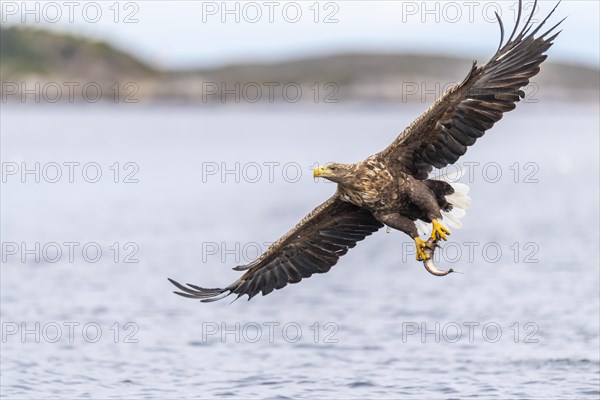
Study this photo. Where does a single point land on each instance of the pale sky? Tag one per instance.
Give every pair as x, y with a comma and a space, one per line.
184, 34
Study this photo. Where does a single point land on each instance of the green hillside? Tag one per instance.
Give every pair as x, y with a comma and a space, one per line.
28, 51
28, 55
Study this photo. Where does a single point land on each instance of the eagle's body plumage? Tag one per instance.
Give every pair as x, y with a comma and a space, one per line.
384, 191
371, 185
392, 187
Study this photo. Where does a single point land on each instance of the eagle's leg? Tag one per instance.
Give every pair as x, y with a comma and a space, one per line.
439, 231
421, 245
406, 225
427, 202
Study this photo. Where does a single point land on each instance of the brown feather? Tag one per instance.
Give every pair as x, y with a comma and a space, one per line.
468, 109
312, 247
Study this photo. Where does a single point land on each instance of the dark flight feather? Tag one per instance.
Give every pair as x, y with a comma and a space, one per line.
438, 137
312, 247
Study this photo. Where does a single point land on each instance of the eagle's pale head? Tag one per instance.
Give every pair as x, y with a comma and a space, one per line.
335, 172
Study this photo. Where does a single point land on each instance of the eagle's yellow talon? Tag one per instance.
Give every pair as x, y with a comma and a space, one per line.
420, 244
439, 231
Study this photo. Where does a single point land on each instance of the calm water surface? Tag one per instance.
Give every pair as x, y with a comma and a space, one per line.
521, 321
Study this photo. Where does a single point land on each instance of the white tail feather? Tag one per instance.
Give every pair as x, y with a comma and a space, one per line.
460, 198
460, 202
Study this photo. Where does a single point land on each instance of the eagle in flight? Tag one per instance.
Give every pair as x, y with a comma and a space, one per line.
393, 187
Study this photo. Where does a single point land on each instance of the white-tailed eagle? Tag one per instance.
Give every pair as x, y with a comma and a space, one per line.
392, 188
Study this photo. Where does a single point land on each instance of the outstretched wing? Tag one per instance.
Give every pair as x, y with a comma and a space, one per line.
442, 134
311, 247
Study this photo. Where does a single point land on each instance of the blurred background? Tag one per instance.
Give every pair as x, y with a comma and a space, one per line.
142, 140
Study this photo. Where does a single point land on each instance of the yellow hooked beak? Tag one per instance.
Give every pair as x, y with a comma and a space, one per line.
319, 171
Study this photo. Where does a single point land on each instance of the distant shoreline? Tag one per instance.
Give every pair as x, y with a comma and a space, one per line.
43, 66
